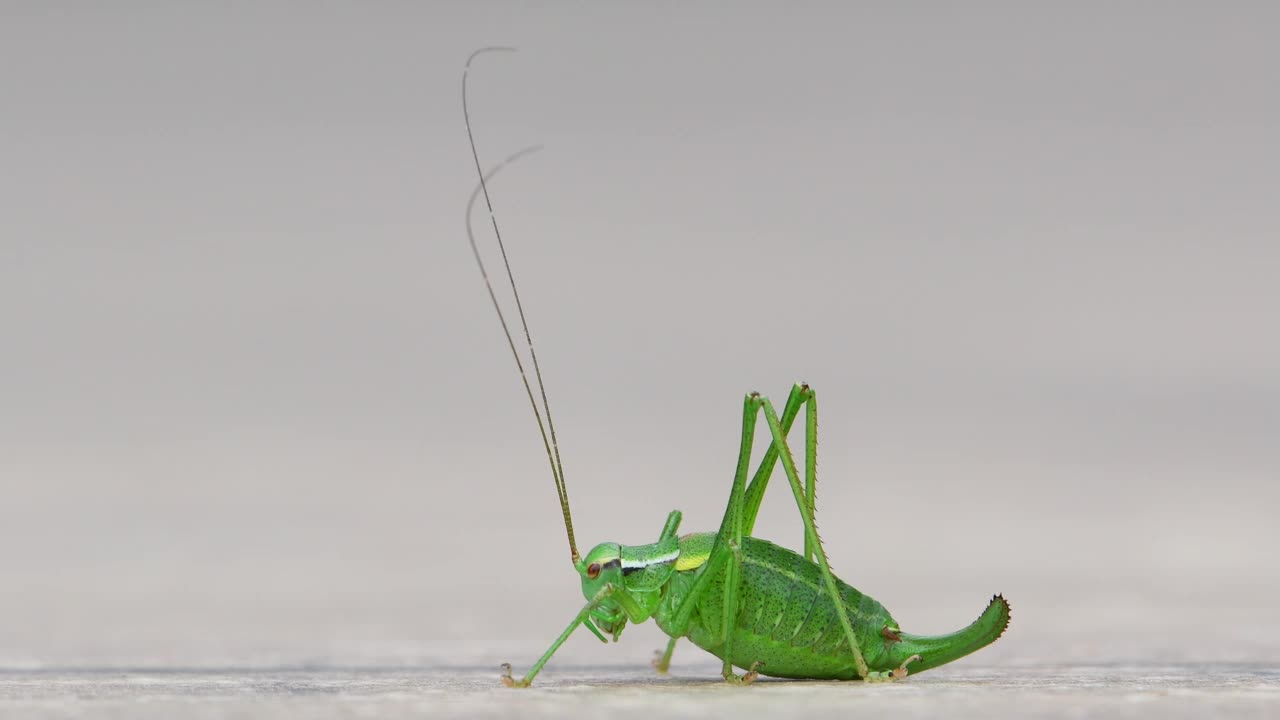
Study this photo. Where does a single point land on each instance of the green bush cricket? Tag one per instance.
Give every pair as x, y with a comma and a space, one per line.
753, 604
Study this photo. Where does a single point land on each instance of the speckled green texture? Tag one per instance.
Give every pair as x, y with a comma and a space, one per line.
788, 624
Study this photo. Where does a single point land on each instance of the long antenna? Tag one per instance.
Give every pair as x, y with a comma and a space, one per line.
551, 446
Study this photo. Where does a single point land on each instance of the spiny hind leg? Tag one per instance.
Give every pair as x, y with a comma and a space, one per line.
726, 553
801, 395
810, 469
760, 481
662, 660
812, 542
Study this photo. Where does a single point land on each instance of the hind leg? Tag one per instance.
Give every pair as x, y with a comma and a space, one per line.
800, 395
804, 503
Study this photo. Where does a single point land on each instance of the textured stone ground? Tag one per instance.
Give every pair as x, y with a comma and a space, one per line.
1179, 691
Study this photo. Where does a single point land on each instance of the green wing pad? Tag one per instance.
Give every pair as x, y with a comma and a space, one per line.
695, 548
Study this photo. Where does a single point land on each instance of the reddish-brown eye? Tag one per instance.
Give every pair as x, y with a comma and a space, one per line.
593, 570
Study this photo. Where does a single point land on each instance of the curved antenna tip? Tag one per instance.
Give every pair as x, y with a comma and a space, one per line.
491, 48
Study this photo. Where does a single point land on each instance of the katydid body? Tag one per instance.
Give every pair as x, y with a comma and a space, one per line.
756, 605
753, 604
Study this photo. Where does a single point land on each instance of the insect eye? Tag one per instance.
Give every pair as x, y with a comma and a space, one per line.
593, 570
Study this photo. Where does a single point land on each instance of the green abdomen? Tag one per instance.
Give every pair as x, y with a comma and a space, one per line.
786, 619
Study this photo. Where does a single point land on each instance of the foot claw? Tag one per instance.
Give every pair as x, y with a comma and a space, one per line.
893, 675
510, 681
658, 662
901, 671
746, 679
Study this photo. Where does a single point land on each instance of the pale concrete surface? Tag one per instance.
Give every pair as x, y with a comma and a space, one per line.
1121, 691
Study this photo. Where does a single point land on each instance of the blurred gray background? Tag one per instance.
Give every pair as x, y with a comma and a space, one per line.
255, 410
